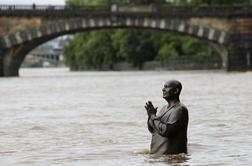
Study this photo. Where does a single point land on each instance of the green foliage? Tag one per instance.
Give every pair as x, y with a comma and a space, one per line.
72, 3
210, 2
220, 2
134, 46
167, 52
175, 46
107, 47
103, 2
91, 50
145, 1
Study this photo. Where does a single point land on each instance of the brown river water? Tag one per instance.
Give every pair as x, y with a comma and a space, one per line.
57, 117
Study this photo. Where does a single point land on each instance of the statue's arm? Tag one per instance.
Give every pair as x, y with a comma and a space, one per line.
150, 125
168, 128
150, 110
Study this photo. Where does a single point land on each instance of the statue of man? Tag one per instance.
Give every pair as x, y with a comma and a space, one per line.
169, 126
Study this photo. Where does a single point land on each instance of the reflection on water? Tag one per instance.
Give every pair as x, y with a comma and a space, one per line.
179, 159
54, 117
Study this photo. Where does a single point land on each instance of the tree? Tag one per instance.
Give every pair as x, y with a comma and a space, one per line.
75, 3
102, 49
135, 46
91, 50
70, 56
220, 2
104, 2
107, 47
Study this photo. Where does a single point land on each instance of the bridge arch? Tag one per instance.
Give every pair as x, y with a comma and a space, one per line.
16, 46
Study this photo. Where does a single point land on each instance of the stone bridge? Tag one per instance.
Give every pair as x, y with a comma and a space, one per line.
228, 29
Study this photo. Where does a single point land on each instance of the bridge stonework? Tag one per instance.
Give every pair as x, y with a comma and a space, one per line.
240, 45
233, 40
14, 24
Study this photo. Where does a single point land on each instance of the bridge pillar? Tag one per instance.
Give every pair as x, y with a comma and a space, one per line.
240, 52
249, 57
12, 60
240, 47
1, 64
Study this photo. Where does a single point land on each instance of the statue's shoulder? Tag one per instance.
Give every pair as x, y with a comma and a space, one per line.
181, 106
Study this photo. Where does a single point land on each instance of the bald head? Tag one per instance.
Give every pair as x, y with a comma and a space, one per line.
175, 84
172, 89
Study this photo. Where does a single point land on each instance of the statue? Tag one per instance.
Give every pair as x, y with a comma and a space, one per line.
169, 126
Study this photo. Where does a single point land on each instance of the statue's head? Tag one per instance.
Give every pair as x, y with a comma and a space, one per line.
172, 89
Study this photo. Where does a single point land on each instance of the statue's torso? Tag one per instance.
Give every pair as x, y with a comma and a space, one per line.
173, 143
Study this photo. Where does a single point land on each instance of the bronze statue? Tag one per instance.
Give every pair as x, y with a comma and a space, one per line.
169, 126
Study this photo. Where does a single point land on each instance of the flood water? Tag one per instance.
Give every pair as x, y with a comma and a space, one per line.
57, 117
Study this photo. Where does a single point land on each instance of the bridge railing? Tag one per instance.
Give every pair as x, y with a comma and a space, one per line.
49, 7
166, 10
204, 10
30, 7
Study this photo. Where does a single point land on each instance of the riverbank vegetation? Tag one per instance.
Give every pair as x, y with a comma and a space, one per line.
94, 49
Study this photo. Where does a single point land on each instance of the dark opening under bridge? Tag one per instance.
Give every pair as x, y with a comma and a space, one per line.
228, 28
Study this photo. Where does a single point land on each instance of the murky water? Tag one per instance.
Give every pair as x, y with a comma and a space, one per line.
54, 117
